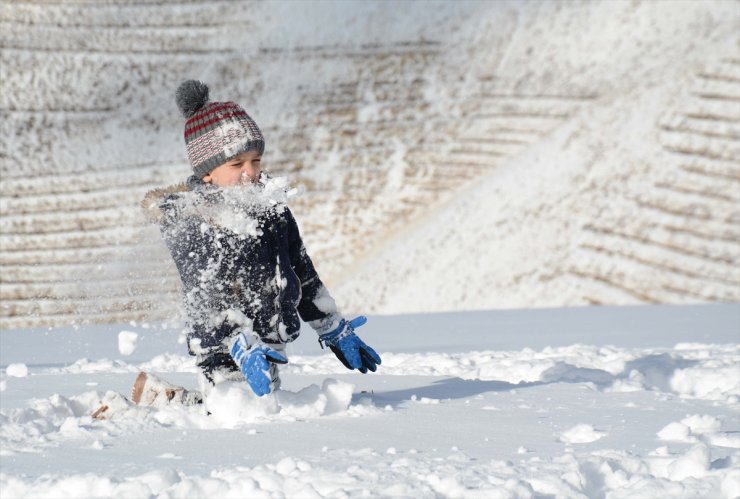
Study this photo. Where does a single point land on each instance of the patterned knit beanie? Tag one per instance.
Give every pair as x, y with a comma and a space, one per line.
215, 132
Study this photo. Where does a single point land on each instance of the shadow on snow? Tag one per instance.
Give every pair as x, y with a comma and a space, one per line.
656, 372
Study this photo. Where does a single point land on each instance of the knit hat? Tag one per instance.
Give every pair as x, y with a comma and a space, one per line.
215, 132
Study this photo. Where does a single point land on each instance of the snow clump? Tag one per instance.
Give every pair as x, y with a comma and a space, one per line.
127, 341
234, 404
19, 370
581, 434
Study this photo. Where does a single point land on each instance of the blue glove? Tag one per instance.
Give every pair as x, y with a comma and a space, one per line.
349, 348
254, 362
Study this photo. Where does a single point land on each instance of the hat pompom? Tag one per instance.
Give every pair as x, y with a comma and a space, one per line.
190, 96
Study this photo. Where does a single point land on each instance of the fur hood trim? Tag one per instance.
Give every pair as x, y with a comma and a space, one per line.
152, 202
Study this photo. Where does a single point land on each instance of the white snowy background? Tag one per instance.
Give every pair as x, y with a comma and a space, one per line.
451, 155
456, 159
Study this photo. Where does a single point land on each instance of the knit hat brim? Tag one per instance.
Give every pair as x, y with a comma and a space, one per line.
204, 168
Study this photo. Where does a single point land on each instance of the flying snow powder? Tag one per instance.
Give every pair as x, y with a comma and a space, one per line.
127, 342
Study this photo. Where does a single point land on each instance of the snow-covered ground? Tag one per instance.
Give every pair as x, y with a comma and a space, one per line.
574, 402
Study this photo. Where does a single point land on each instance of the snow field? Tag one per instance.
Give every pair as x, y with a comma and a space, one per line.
368, 473
57, 420
568, 416
694, 370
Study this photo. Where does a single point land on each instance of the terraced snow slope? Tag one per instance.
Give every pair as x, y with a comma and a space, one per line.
465, 155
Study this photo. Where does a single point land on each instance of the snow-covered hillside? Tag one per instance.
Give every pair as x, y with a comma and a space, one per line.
615, 402
473, 154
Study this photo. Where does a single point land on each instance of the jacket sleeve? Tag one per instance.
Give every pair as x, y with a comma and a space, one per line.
204, 299
316, 306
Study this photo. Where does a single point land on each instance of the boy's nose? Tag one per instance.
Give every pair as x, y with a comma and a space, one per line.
247, 176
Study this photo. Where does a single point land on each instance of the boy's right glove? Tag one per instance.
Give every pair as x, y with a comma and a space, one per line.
349, 348
254, 362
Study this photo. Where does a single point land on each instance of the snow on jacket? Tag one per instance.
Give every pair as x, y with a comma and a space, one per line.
242, 264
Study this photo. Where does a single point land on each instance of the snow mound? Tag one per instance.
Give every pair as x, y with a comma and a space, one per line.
697, 428
234, 404
581, 434
708, 381
18, 370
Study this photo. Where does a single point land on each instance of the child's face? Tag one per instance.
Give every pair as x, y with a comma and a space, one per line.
241, 170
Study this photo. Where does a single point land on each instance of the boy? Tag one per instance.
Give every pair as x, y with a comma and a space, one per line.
245, 272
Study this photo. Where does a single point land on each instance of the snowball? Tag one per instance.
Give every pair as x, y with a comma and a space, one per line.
19, 370
581, 434
127, 342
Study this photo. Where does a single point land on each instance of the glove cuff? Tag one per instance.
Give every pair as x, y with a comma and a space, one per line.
247, 340
327, 324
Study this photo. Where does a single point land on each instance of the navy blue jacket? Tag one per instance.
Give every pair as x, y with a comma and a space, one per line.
260, 279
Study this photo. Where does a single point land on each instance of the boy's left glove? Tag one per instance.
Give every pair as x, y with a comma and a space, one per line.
254, 362
349, 348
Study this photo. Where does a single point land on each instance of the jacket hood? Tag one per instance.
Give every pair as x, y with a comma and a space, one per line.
153, 200
271, 193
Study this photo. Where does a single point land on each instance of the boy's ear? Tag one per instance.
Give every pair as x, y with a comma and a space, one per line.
207, 179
